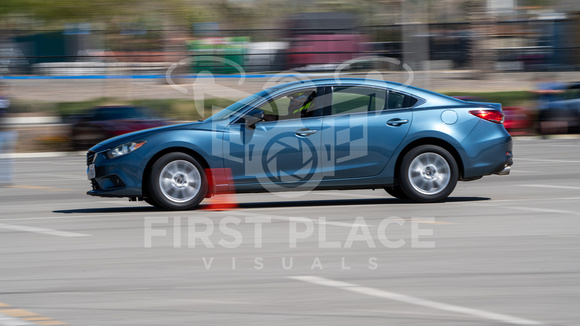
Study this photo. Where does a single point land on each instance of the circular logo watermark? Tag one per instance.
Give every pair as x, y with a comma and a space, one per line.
289, 161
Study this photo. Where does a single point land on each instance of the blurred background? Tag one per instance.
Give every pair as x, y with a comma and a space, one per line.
73, 73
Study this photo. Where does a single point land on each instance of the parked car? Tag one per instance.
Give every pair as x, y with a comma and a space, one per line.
324, 134
561, 115
103, 122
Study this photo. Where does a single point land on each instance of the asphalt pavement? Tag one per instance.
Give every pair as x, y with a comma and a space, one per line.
503, 250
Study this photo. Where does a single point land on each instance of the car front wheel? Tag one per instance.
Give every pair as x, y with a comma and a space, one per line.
177, 182
428, 174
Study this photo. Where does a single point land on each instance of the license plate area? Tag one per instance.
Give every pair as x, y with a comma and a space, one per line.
91, 172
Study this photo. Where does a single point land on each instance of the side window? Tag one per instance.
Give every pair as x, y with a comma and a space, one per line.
104, 114
127, 113
356, 99
400, 101
297, 104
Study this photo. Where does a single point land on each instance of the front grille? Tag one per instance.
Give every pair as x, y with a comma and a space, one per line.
90, 157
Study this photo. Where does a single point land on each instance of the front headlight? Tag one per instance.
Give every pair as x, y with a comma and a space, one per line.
124, 149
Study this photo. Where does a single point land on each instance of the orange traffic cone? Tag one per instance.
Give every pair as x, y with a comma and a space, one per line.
221, 182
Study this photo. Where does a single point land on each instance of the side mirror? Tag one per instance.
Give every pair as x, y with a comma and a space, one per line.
253, 117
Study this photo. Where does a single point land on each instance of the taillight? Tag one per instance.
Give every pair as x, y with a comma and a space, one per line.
489, 115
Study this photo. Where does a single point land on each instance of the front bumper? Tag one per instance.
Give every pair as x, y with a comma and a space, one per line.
118, 177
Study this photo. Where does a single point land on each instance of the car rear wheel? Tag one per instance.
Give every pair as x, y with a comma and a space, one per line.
177, 182
396, 192
428, 174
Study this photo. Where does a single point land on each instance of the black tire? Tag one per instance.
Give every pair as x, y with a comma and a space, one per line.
396, 192
150, 201
177, 182
434, 174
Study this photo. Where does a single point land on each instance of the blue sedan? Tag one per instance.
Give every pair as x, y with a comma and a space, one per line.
310, 135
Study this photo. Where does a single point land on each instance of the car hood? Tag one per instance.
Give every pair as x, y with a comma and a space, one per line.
140, 135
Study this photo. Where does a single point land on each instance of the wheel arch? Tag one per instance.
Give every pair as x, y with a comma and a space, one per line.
429, 141
154, 158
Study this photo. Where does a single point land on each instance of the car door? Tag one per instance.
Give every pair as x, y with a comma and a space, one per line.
282, 149
362, 129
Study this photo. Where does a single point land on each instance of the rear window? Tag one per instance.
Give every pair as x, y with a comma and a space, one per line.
400, 101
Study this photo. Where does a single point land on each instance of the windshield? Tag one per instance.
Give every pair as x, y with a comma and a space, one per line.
235, 109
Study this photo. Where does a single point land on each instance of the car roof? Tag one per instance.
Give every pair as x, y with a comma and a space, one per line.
432, 98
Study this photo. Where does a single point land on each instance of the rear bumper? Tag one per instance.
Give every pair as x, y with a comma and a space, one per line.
507, 166
488, 150
505, 171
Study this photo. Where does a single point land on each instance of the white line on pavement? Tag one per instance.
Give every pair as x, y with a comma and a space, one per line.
551, 199
12, 321
543, 210
551, 186
344, 224
415, 301
546, 160
296, 219
41, 230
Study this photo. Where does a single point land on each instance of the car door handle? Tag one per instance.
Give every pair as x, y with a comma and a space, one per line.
397, 122
305, 132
